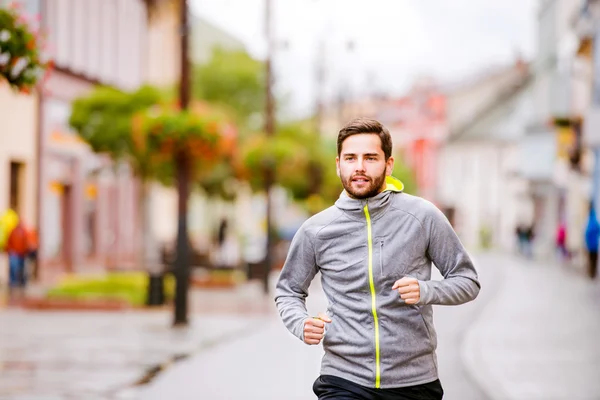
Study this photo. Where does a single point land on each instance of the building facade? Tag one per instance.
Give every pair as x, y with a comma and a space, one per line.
478, 183
557, 162
87, 205
18, 145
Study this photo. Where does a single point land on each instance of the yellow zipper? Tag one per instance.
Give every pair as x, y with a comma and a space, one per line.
373, 299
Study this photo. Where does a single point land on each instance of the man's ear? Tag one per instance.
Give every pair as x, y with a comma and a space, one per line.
389, 166
337, 166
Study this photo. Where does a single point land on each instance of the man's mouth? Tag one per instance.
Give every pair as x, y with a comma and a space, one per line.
360, 179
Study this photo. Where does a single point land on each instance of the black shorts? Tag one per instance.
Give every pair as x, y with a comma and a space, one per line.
328, 387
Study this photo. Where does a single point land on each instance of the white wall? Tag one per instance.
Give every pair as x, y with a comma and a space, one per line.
103, 40
478, 180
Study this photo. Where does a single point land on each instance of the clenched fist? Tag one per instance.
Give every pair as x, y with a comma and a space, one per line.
314, 328
409, 289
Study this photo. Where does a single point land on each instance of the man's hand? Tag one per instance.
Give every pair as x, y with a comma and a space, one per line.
314, 328
409, 290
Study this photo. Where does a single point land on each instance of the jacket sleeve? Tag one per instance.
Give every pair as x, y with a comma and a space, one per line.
292, 287
460, 283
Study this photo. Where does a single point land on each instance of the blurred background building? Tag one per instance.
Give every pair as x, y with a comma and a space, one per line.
87, 206
510, 145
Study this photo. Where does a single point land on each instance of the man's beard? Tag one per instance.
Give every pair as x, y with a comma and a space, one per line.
370, 190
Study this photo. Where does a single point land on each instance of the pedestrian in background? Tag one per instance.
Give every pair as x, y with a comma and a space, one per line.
592, 236
521, 239
529, 238
374, 249
561, 242
17, 247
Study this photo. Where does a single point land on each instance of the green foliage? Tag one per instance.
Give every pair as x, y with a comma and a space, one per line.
203, 135
139, 128
21, 63
288, 152
220, 179
125, 286
406, 175
104, 120
234, 80
332, 187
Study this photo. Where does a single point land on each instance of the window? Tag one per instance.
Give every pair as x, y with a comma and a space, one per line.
15, 182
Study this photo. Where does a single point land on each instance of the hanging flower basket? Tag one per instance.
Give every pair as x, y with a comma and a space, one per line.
21, 61
203, 137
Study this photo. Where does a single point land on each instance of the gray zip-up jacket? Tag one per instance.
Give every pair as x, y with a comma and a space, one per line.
361, 247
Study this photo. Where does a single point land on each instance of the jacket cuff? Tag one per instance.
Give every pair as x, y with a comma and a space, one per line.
424, 293
300, 330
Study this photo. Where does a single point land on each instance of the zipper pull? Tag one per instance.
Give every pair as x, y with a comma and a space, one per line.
381, 257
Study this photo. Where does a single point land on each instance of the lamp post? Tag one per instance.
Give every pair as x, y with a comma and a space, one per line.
182, 161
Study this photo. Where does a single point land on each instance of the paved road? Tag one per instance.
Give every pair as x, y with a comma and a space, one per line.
272, 364
533, 334
538, 338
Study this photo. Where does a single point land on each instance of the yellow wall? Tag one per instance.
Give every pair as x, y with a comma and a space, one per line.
18, 142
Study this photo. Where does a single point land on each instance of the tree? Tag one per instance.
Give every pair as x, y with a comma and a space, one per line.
287, 152
104, 119
194, 142
142, 129
235, 81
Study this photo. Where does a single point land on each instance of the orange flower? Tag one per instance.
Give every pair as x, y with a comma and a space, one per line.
212, 127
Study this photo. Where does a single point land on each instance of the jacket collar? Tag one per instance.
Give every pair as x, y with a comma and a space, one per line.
377, 204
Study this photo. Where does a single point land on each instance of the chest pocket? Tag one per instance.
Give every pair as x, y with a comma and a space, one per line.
390, 261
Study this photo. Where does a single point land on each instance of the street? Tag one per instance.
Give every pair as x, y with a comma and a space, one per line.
532, 334
272, 364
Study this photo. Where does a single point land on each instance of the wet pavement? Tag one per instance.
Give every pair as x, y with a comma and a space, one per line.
513, 342
101, 355
272, 364
531, 334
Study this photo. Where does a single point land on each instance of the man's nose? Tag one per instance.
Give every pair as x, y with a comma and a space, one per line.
360, 164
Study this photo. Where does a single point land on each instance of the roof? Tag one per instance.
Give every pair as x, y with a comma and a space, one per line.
472, 102
503, 118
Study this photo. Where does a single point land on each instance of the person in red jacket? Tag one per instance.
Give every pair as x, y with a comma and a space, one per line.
17, 247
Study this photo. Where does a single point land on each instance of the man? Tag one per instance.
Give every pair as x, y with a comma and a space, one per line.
374, 249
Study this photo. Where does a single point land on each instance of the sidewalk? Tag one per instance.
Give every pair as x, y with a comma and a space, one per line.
538, 336
101, 355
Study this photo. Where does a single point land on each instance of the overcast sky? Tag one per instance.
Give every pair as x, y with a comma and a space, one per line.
395, 40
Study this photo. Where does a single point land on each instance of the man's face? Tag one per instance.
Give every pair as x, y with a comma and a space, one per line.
362, 167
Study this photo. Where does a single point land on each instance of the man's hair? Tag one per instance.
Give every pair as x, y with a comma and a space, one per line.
366, 126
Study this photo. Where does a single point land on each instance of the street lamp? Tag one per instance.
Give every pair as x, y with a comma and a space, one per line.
182, 161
